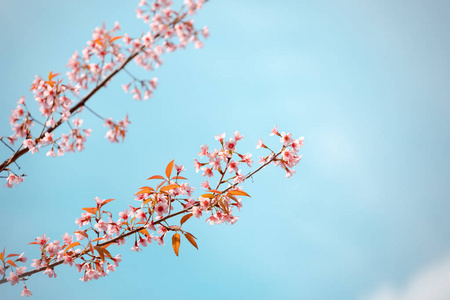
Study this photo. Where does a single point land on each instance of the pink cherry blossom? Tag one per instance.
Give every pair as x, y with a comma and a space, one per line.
140, 215
12, 180
22, 258
260, 144
50, 273
26, 292
233, 166
196, 212
220, 137
203, 151
51, 153
161, 208
274, 130
207, 172
230, 145
13, 278
238, 136
247, 158
205, 185
77, 122
286, 138
42, 240
205, 31
179, 168
239, 177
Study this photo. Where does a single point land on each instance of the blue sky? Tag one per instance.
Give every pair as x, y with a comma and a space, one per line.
366, 83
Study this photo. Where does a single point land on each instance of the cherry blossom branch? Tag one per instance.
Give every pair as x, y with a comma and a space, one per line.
154, 210
165, 24
138, 229
77, 106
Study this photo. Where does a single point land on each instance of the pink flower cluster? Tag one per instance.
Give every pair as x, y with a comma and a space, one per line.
14, 270
116, 130
156, 205
289, 157
221, 160
106, 53
13, 179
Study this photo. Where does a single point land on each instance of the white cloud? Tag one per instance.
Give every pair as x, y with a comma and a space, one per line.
431, 283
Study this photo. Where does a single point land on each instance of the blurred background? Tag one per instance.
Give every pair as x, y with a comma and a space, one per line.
366, 83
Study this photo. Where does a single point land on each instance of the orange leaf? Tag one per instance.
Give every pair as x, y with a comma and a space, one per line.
159, 185
185, 218
51, 83
2, 255
9, 255
107, 201
71, 246
156, 177
147, 200
145, 187
13, 264
106, 251
100, 251
210, 196
91, 210
115, 39
92, 249
215, 191
238, 193
144, 231
32, 243
144, 191
83, 233
97, 239
191, 240
98, 41
169, 187
179, 177
169, 169
176, 243
232, 197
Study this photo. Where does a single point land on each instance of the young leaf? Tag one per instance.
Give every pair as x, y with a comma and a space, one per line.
191, 240
215, 191
100, 251
238, 193
179, 177
91, 210
71, 246
115, 39
107, 201
144, 231
169, 169
169, 187
210, 196
156, 177
106, 251
2, 255
10, 255
185, 218
82, 232
13, 264
176, 242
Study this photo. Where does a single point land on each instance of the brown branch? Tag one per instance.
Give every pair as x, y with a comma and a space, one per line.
81, 103
135, 230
